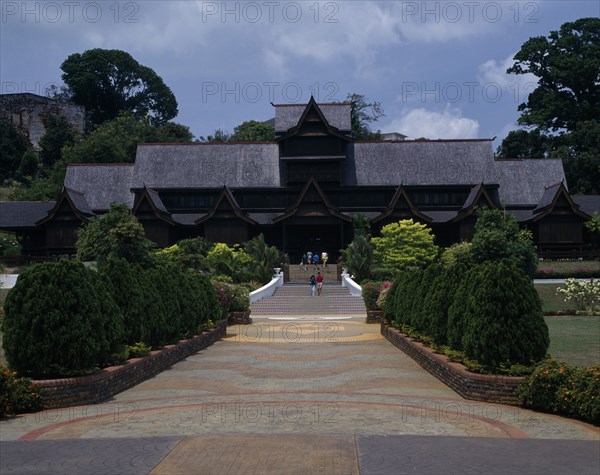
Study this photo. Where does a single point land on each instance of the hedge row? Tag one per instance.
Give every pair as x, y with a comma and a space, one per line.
563, 389
491, 311
63, 319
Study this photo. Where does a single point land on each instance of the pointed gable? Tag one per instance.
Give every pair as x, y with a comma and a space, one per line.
312, 202
556, 197
478, 197
70, 202
401, 207
312, 122
149, 201
226, 205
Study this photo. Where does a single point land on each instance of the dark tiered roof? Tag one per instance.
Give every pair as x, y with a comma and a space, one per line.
23, 214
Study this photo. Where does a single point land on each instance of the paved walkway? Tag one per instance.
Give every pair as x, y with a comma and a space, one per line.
287, 397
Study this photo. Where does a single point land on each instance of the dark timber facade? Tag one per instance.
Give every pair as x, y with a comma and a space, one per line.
303, 189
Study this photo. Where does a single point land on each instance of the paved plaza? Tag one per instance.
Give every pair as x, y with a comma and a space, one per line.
308, 395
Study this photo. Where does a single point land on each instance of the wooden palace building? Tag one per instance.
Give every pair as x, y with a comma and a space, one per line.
303, 189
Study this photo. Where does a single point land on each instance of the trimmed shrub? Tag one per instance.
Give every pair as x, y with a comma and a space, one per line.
389, 305
409, 285
563, 389
444, 286
17, 395
421, 318
60, 319
127, 287
458, 310
503, 318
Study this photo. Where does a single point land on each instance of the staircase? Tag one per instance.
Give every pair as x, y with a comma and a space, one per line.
295, 299
298, 276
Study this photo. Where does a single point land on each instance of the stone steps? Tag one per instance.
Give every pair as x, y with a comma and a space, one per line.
295, 299
298, 275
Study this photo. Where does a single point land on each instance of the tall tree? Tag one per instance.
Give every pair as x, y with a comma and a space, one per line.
108, 82
362, 114
524, 144
58, 134
13, 144
567, 65
564, 110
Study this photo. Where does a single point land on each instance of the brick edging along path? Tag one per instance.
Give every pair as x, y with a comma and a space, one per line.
92, 389
478, 387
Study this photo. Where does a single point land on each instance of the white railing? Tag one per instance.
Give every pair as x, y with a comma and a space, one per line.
8, 281
353, 287
268, 289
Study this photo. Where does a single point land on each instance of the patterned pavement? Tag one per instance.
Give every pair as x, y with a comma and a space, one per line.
303, 396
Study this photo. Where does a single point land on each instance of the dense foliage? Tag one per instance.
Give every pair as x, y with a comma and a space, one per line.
108, 82
497, 236
13, 144
563, 112
116, 233
59, 319
563, 389
502, 319
17, 395
491, 312
405, 244
358, 256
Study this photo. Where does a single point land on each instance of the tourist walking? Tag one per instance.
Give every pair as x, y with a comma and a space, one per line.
319, 283
324, 258
316, 261
313, 283
303, 262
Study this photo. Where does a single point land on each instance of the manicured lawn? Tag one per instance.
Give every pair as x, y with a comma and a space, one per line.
575, 339
551, 301
569, 266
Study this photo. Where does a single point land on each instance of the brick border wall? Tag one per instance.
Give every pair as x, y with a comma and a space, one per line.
95, 388
478, 387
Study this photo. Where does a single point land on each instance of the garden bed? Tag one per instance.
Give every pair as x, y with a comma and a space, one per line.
95, 388
474, 386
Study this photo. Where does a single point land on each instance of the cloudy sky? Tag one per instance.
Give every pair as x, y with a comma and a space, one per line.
438, 68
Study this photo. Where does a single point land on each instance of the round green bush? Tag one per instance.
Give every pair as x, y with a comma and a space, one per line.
503, 318
60, 319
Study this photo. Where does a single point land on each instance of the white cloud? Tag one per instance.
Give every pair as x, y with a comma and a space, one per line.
449, 124
517, 86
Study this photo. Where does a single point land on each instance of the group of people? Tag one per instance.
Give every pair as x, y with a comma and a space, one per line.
316, 282
308, 258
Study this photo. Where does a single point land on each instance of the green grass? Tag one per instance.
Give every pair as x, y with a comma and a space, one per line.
569, 266
574, 339
551, 301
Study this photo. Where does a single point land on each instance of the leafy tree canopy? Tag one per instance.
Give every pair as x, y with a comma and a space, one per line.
363, 113
567, 64
13, 145
405, 244
524, 144
563, 112
58, 134
498, 237
117, 233
253, 131
108, 82
116, 140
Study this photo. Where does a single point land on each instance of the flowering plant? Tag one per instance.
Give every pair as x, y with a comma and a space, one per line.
585, 295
